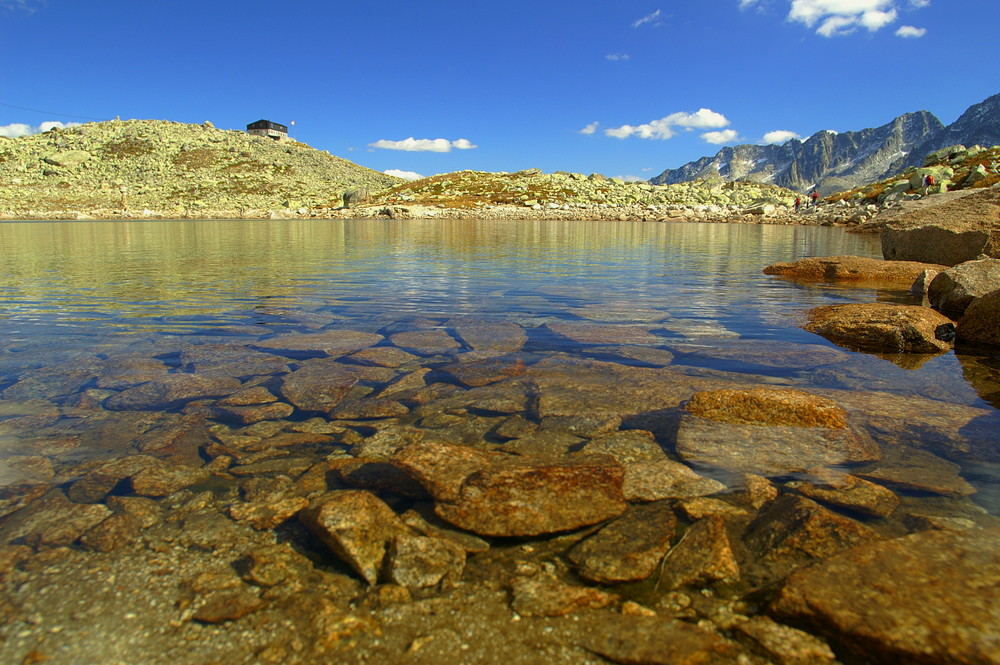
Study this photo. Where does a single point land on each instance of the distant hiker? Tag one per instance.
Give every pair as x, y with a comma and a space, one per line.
815, 198
798, 203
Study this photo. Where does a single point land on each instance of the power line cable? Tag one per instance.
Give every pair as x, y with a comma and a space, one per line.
63, 115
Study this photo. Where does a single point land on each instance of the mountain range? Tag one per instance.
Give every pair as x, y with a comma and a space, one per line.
833, 162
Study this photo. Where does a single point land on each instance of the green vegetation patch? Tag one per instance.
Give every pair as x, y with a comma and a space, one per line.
127, 147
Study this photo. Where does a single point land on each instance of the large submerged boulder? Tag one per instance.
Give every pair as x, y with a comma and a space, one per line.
769, 432
925, 598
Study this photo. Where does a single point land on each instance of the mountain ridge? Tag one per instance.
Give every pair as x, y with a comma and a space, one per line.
833, 162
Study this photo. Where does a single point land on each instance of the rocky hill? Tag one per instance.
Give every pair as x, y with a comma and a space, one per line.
836, 162
169, 169
532, 193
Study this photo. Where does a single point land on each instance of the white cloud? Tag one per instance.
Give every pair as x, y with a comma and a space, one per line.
617, 57
909, 32
23, 5
653, 18
589, 129
747, 3
423, 145
780, 136
631, 178
842, 17
664, 127
17, 129
718, 138
405, 175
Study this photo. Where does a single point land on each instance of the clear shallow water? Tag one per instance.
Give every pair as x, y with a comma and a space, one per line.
72, 290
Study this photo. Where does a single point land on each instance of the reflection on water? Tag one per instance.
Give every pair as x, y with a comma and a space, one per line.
70, 292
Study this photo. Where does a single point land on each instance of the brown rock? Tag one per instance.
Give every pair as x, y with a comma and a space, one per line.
640, 640
418, 562
163, 479
881, 327
426, 342
842, 490
794, 531
230, 360
319, 388
99, 478
703, 555
852, 269
769, 431
763, 353
254, 413
52, 521
170, 392
920, 471
981, 322
383, 356
590, 333
665, 479
222, 606
483, 372
954, 289
544, 597
928, 598
357, 526
492, 336
332, 343
702, 507
767, 406
784, 644
495, 495
248, 397
627, 549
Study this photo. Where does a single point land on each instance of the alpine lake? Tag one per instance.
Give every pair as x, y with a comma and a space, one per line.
437, 441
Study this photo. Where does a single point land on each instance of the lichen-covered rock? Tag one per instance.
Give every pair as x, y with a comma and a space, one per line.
882, 327
927, 598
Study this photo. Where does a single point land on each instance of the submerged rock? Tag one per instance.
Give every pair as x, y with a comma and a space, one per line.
635, 640
545, 597
357, 526
702, 556
927, 598
170, 392
769, 431
494, 494
846, 491
331, 343
627, 549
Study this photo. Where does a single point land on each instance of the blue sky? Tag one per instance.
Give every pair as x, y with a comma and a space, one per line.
626, 88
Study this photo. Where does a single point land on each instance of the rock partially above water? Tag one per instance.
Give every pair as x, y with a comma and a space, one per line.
853, 269
954, 289
927, 598
881, 327
981, 322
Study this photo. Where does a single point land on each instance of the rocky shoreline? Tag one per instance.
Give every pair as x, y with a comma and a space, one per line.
432, 488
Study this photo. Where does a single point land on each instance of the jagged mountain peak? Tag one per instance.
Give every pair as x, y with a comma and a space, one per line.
836, 161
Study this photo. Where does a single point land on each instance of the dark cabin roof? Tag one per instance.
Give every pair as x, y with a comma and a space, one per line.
267, 124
